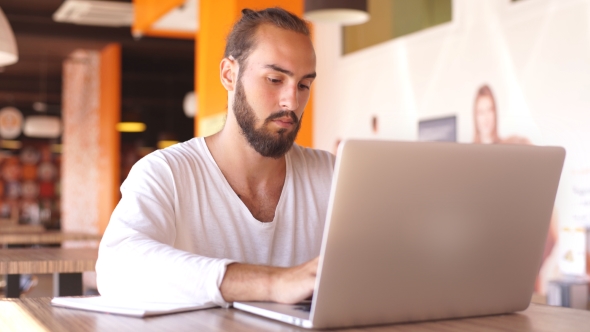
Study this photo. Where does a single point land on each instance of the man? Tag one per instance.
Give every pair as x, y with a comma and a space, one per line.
238, 215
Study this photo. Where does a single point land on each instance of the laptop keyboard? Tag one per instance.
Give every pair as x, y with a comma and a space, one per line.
303, 306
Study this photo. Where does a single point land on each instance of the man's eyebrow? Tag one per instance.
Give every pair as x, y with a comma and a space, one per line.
312, 75
288, 72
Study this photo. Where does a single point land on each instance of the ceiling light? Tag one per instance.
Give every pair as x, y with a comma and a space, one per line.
130, 127
95, 12
8, 50
345, 12
166, 143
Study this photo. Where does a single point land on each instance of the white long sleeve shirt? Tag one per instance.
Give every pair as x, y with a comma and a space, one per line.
179, 224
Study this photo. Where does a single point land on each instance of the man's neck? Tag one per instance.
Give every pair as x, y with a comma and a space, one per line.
258, 181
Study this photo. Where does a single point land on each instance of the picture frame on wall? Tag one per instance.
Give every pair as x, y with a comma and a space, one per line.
442, 129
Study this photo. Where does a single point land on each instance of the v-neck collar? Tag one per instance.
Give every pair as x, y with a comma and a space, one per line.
234, 196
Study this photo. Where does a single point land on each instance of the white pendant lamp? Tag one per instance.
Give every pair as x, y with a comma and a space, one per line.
345, 12
8, 50
190, 104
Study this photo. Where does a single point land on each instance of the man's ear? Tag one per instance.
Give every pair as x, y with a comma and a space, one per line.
228, 70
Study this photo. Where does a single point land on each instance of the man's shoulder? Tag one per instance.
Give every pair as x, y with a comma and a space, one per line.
194, 147
164, 165
173, 156
312, 157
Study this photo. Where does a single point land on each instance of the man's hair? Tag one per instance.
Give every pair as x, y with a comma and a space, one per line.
240, 41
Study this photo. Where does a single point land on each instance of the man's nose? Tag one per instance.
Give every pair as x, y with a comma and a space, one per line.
289, 98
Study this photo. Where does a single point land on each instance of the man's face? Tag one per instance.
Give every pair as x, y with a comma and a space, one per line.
264, 140
273, 89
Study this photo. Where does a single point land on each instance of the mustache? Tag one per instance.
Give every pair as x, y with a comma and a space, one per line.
281, 114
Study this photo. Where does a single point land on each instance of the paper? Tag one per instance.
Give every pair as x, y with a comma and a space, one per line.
572, 251
126, 307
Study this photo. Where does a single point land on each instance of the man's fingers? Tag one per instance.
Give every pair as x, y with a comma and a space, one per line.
314, 265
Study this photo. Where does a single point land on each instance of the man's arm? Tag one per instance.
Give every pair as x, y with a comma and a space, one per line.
137, 258
245, 282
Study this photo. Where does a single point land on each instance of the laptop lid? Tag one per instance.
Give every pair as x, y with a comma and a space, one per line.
420, 231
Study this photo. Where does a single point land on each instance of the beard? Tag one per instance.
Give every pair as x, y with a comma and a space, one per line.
268, 143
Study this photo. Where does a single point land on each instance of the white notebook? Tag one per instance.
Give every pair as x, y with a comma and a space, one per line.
126, 307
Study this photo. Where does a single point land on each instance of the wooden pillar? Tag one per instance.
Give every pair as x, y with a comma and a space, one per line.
90, 154
216, 18
109, 139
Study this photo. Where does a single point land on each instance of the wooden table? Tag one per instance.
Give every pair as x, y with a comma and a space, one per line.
17, 228
36, 314
66, 264
46, 237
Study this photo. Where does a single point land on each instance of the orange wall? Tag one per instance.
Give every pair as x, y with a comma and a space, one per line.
216, 19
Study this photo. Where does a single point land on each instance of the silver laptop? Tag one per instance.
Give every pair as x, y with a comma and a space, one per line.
422, 231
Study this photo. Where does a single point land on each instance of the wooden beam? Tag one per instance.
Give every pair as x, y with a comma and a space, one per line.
109, 139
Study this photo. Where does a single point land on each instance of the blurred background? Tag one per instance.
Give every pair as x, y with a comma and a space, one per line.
153, 74
87, 88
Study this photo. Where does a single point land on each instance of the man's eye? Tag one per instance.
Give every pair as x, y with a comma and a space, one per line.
303, 86
273, 80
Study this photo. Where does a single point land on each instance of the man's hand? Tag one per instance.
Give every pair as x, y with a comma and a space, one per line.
244, 282
294, 284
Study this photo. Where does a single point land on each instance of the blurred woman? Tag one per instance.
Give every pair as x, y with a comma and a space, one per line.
485, 119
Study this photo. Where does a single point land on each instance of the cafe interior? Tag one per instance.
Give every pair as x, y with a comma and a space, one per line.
88, 88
